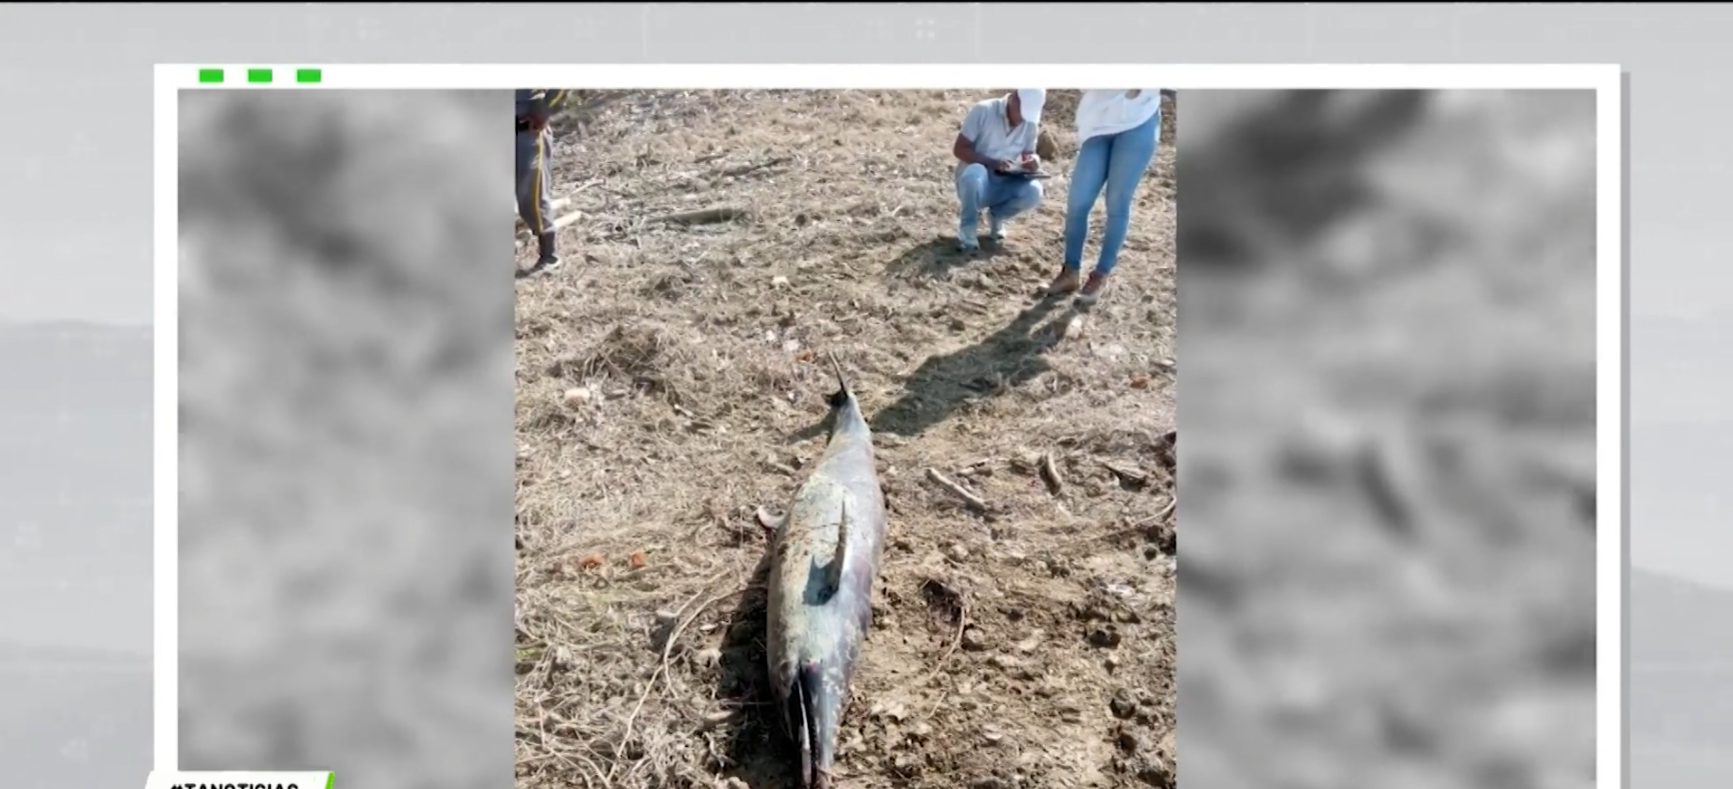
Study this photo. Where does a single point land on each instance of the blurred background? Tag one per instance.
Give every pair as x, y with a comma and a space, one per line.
1387, 483
75, 553
346, 435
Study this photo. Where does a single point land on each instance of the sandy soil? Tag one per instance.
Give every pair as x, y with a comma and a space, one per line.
671, 382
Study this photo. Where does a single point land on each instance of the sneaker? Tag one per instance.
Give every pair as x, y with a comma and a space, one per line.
968, 237
1067, 282
543, 266
548, 256
1092, 287
996, 229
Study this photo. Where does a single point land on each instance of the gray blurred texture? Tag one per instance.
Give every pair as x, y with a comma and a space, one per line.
1387, 482
346, 435
75, 554
1679, 715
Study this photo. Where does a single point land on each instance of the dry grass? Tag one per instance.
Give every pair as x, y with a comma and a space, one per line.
667, 389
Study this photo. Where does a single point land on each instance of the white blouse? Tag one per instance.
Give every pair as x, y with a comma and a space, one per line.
1102, 112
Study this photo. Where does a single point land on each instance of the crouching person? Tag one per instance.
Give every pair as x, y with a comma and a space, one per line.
996, 143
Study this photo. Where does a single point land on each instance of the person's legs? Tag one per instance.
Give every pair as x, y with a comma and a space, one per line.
534, 202
1132, 151
527, 208
972, 185
1088, 173
1010, 196
548, 257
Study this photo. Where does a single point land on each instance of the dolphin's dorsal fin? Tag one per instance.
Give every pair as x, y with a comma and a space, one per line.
836, 367
840, 560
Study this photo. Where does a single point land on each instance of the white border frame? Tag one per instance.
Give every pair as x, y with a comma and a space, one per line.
1605, 80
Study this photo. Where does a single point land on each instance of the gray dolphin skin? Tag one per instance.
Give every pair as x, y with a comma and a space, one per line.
824, 559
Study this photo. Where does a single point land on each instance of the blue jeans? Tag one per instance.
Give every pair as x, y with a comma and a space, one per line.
1004, 196
1118, 162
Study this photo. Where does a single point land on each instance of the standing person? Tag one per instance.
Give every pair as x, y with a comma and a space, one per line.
998, 137
535, 107
1117, 134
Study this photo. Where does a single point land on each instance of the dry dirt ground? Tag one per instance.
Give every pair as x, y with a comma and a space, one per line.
671, 381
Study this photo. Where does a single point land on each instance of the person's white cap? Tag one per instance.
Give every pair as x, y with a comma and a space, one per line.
1031, 100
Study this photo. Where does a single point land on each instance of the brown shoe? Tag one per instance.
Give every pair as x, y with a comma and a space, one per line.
1092, 288
1066, 283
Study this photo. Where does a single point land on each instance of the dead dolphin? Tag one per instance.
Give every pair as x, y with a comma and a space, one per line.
824, 559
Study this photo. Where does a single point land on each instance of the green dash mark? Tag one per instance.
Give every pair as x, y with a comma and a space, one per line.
309, 75
258, 75
329, 777
210, 75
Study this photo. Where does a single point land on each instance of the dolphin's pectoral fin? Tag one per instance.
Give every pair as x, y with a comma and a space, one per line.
769, 522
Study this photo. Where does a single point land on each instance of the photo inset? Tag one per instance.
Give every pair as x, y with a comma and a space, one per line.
846, 438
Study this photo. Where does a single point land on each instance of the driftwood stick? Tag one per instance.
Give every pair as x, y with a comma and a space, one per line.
1134, 476
1050, 475
559, 204
703, 216
746, 169
959, 491
559, 224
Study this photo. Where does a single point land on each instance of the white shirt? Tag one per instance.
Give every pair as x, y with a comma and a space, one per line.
990, 131
1103, 112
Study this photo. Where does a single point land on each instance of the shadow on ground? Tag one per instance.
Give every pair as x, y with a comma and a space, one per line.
758, 751
1001, 361
939, 257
